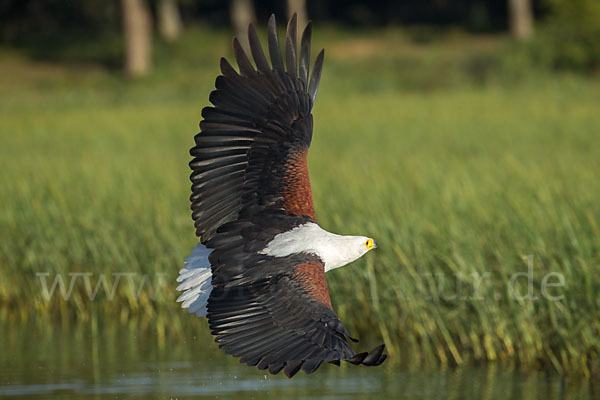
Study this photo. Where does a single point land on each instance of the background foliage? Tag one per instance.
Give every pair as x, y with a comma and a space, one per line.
81, 30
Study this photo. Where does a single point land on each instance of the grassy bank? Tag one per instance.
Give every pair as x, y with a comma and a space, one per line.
459, 175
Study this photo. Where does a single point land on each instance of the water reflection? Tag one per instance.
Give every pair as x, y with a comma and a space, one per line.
115, 362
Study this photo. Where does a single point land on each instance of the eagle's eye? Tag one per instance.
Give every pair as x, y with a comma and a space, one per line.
370, 244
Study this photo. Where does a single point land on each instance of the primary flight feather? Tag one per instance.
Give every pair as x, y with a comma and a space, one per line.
258, 273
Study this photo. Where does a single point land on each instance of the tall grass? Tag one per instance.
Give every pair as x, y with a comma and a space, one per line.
454, 178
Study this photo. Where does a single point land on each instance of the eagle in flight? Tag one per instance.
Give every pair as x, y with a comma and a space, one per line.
258, 273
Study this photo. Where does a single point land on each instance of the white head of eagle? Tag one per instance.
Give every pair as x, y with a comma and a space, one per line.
258, 273
334, 250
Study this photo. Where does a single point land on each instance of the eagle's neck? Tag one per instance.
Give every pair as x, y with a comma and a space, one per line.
334, 250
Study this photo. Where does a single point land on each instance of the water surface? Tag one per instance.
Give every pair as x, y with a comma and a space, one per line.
118, 362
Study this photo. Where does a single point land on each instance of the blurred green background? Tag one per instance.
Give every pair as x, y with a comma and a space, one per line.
463, 136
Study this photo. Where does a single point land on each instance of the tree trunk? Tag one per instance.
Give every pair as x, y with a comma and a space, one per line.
520, 18
298, 7
138, 37
242, 13
169, 19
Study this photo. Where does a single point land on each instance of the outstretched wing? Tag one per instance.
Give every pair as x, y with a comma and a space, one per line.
252, 150
275, 312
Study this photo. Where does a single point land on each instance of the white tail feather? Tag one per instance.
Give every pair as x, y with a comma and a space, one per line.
195, 280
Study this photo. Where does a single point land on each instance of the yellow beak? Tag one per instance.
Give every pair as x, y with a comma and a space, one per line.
371, 244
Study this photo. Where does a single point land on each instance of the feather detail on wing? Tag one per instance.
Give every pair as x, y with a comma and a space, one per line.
251, 151
283, 321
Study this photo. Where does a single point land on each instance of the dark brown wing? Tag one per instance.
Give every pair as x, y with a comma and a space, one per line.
283, 320
252, 149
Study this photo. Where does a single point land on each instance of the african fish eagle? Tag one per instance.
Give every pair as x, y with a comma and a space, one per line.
258, 273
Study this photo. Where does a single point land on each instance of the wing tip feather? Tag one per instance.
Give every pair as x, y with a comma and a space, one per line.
315, 78
292, 367
369, 359
241, 57
291, 45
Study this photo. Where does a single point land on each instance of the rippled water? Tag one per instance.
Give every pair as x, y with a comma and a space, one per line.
117, 362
